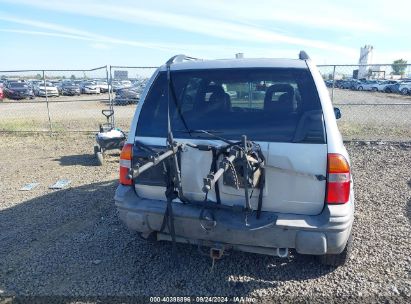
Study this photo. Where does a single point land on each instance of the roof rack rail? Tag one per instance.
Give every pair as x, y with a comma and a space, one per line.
179, 58
303, 55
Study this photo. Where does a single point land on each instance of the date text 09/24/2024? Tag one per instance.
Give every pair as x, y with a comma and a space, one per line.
201, 299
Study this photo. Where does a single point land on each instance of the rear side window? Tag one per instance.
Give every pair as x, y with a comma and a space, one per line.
275, 105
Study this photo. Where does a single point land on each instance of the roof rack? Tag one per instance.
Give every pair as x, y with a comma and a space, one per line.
180, 58
303, 55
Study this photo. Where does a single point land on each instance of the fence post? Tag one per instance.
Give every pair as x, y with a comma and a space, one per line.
110, 101
110, 92
332, 90
47, 103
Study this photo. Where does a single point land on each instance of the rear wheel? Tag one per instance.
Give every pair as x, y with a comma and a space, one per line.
337, 259
360, 88
374, 89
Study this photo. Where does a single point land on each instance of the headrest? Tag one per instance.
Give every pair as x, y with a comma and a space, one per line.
279, 87
284, 104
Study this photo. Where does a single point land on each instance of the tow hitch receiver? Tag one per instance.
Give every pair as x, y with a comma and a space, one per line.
216, 253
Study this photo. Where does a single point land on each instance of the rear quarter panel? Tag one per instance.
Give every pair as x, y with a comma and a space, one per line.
334, 139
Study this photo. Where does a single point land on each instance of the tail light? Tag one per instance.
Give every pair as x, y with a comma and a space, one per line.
338, 181
125, 164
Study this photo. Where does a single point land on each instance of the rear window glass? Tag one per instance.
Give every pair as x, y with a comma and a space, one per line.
278, 105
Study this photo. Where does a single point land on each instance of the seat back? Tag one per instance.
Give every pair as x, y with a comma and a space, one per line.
213, 98
285, 102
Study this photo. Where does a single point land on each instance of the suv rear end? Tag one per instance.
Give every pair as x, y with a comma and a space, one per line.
283, 107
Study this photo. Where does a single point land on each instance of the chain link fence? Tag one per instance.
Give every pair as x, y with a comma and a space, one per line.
53, 100
375, 100
69, 100
127, 84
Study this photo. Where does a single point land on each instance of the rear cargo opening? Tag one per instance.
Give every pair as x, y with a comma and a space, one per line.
277, 109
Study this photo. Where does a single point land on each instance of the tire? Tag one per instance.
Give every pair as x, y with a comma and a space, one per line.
360, 88
99, 155
404, 91
340, 259
100, 158
374, 89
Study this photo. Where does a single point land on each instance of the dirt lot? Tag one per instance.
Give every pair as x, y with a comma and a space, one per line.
67, 113
70, 242
389, 119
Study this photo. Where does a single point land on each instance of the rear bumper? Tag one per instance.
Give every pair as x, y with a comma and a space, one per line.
49, 94
326, 233
91, 91
70, 92
20, 96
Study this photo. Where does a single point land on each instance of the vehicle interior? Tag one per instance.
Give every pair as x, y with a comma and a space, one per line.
265, 108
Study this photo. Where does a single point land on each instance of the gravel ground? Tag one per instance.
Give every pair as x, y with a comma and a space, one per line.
67, 113
71, 243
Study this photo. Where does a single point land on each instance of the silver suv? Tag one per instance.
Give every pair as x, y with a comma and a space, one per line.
241, 154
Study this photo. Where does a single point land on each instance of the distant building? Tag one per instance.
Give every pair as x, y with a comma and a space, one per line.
120, 75
366, 53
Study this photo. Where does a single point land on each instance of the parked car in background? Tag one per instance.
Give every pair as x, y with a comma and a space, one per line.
393, 88
368, 85
127, 96
385, 85
77, 82
405, 88
126, 83
69, 88
41, 89
348, 84
56, 83
35, 83
89, 87
103, 85
18, 90
116, 85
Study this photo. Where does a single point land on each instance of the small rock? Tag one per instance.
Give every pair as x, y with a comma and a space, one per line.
96, 262
394, 289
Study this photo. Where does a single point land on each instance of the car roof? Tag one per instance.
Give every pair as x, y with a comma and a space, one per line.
237, 63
